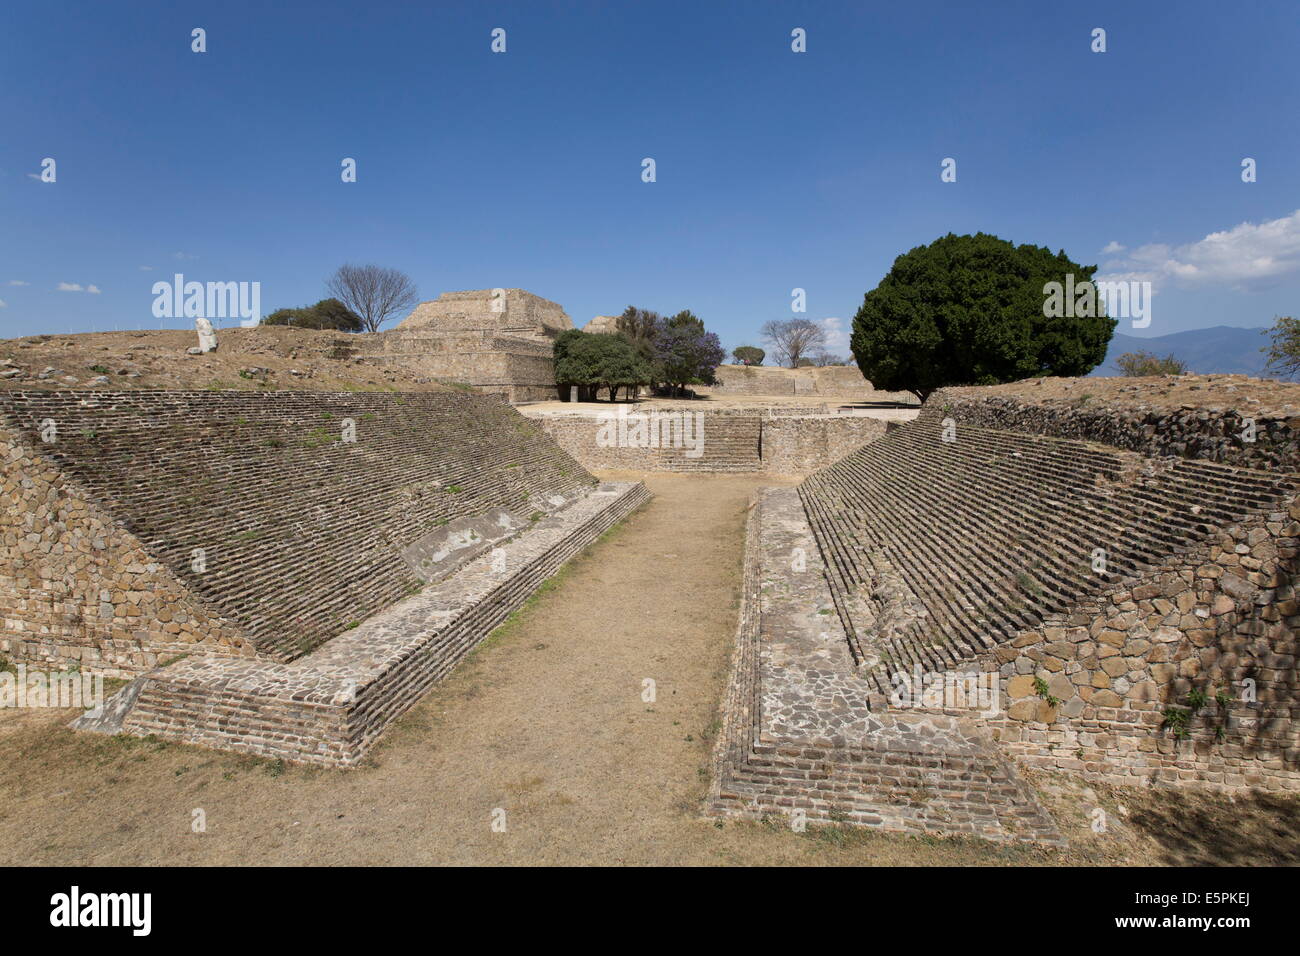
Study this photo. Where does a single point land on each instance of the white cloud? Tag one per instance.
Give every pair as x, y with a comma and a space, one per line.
837, 336
93, 289
18, 282
3, 305
35, 176
183, 255
1113, 247
69, 287
1245, 256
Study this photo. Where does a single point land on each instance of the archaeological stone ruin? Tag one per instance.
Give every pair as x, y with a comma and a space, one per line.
948, 601
972, 593
494, 340
280, 573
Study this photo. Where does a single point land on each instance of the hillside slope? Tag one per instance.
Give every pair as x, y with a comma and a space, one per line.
263, 357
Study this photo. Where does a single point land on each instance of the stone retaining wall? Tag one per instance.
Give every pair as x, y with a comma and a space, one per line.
733, 441
331, 705
1189, 676
250, 517
1211, 434
799, 739
77, 589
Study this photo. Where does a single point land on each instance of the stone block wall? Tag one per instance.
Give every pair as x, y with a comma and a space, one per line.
1176, 665
733, 441
1188, 675
257, 504
1209, 434
77, 589
836, 381
519, 370
799, 445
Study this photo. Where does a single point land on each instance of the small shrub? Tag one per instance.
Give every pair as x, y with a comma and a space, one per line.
1177, 720
1042, 690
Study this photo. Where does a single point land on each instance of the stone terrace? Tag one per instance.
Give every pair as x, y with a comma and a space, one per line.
301, 532
940, 550
329, 706
799, 734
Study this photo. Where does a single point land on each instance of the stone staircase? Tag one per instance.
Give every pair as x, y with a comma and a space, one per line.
259, 504
939, 550
799, 736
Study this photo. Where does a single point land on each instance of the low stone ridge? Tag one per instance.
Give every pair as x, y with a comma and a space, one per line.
794, 441
329, 706
834, 381
1263, 435
243, 522
799, 734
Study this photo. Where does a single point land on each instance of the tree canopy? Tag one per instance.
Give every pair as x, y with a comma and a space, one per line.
374, 293
599, 360
969, 310
1283, 352
325, 314
647, 349
748, 355
793, 340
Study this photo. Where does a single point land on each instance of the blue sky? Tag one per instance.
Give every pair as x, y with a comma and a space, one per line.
775, 170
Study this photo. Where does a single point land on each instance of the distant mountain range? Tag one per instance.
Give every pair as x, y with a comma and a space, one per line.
1221, 349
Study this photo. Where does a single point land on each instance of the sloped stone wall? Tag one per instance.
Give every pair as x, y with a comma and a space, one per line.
329, 706
76, 589
1138, 610
264, 510
1188, 675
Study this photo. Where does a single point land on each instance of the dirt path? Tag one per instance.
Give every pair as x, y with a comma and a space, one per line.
546, 722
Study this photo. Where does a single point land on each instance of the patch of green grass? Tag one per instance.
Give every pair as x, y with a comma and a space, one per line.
320, 436
454, 489
101, 369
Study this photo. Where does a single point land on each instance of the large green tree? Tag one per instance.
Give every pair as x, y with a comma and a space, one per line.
596, 360
325, 314
970, 310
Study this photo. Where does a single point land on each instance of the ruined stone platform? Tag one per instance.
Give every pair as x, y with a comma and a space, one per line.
329, 706
803, 732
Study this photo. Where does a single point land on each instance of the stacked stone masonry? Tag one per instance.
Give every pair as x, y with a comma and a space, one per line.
497, 341
800, 740
720, 441
138, 524
1139, 612
329, 706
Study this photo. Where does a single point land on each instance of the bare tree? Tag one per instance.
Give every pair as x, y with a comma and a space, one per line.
373, 292
794, 339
